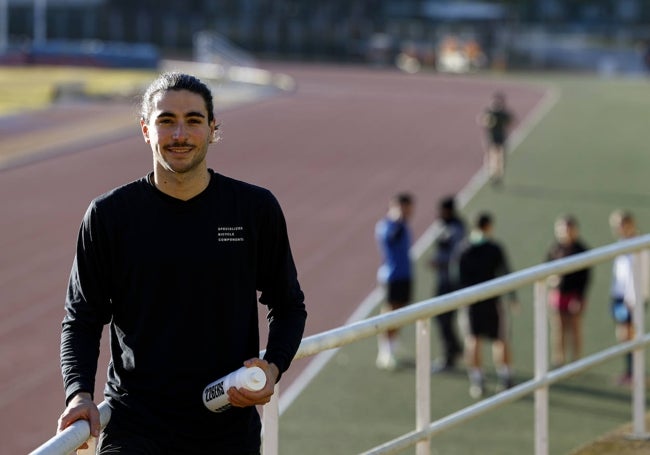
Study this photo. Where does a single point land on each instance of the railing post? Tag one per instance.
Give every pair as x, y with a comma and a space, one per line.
270, 424
423, 381
541, 367
638, 355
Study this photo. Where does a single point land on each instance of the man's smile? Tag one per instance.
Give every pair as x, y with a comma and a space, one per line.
179, 148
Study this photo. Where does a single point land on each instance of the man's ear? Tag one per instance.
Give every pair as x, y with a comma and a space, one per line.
214, 132
145, 131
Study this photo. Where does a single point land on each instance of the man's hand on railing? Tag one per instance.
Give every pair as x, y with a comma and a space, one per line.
81, 407
242, 397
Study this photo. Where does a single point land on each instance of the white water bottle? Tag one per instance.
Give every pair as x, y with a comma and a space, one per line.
215, 397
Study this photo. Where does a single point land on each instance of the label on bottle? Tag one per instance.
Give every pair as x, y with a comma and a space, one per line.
215, 397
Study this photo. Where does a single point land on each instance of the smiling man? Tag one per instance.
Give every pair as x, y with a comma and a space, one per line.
173, 262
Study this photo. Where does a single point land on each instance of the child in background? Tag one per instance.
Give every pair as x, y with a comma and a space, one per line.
567, 296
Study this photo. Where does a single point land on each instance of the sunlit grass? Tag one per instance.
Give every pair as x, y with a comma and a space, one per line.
28, 88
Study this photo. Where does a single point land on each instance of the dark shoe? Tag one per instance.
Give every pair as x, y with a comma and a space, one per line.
504, 384
497, 182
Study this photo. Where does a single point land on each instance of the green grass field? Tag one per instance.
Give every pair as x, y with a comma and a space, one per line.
588, 156
23, 89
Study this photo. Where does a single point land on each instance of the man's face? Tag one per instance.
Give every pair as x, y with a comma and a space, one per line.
407, 210
178, 131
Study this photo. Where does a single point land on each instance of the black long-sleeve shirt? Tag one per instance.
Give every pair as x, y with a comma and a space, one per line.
451, 236
481, 259
178, 282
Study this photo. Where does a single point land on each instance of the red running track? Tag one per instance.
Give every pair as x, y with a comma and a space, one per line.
333, 152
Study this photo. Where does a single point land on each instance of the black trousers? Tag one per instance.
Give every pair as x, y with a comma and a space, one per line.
121, 439
451, 346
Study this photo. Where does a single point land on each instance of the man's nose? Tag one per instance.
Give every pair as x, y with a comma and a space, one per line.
179, 131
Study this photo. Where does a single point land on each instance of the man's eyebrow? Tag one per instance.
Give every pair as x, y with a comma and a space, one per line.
166, 114
195, 114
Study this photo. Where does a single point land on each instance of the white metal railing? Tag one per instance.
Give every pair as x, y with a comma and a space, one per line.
420, 314
73, 436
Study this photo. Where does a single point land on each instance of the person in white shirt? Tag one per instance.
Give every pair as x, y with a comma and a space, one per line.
630, 284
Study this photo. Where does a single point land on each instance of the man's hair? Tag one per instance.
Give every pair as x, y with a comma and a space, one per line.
176, 81
403, 198
448, 203
483, 220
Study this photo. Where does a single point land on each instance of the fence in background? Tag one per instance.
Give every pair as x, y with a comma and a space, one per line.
421, 314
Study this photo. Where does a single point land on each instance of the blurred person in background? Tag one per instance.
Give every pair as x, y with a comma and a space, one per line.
630, 285
393, 236
451, 235
481, 259
496, 120
567, 297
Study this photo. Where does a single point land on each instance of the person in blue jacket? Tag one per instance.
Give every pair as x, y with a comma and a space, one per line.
393, 236
173, 262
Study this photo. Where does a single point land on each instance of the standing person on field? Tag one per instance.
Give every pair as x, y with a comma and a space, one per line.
393, 237
567, 298
173, 262
482, 259
630, 284
496, 120
451, 235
